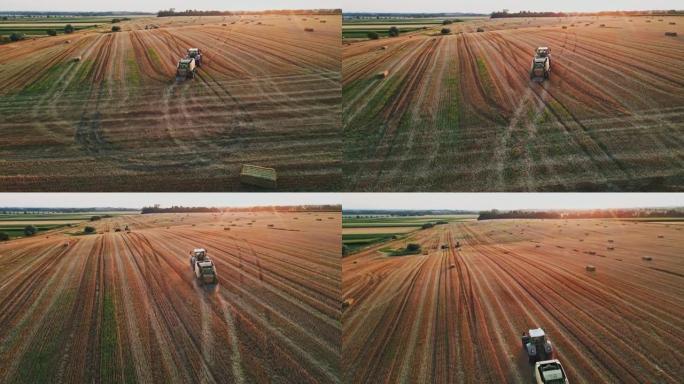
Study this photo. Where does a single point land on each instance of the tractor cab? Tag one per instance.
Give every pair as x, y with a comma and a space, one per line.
543, 52
537, 345
195, 53
199, 253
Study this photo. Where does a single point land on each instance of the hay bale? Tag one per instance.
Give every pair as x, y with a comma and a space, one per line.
308, 29
383, 74
77, 59
610, 241
673, 23
660, 236
384, 47
590, 268
480, 29
270, 225
610, 248
647, 258
565, 27
602, 25
258, 176
347, 303
226, 229
451, 266
673, 34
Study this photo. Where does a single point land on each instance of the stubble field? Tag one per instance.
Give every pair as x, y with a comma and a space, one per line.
459, 111
268, 93
456, 315
119, 307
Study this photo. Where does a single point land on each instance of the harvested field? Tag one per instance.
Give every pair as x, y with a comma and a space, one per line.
267, 93
460, 113
119, 307
418, 319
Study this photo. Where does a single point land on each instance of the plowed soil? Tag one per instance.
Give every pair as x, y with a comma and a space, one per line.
456, 314
268, 93
459, 112
119, 307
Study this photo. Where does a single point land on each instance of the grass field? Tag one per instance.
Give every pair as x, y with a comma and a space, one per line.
38, 26
455, 313
13, 224
103, 111
459, 112
361, 232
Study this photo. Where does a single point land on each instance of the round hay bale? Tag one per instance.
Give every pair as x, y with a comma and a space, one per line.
590, 268
673, 34
647, 258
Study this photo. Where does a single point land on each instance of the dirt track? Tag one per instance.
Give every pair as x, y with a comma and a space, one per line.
456, 315
117, 307
459, 112
268, 93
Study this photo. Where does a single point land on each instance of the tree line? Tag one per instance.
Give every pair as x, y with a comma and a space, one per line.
274, 208
505, 13
584, 214
196, 12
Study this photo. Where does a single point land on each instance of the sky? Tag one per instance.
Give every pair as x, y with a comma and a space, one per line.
487, 6
459, 201
508, 201
138, 200
156, 5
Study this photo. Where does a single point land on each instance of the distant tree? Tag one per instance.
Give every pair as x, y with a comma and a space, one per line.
4, 17
447, 22
69, 28
30, 230
427, 225
116, 28
16, 36
51, 32
373, 35
95, 218
412, 247
89, 230
393, 32
446, 31
4, 236
114, 21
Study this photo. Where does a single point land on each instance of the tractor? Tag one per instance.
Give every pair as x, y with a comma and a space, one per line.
541, 64
537, 345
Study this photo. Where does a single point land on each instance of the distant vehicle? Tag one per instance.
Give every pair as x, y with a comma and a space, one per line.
537, 345
550, 372
195, 53
203, 268
541, 64
186, 69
